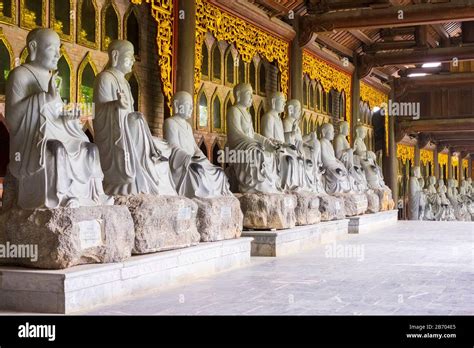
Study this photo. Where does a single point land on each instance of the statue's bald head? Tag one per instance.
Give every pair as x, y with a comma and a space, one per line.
182, 104
243, 94
121, 55
327, 131
43, 48
293, 108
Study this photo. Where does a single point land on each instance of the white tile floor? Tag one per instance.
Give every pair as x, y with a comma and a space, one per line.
408, 268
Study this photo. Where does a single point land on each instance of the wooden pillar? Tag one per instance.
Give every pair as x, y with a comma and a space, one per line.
296, 64
450, 165
417, 155
469, 167
390, 162
436, 163
186, 46
355, 97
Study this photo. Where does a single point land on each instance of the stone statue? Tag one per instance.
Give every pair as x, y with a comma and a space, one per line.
132, 159
466, 198
50, 156
212, 181
256, 171
460, 208
289, 162
433, 208
448, 211
416, 196
336, 176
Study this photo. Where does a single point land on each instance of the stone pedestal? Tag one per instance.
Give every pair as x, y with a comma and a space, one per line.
85, 287
371, 222
161, 222
355, 203
386, 200
373, 202
64, 237
331, 208
307, 209
219, 218
268, 210
297, 239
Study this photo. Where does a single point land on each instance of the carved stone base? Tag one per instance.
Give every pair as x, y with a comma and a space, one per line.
64, 237
161, 222
373, 202
355, 203
219, 218
307, 209
268, 210
331, 208
386, 200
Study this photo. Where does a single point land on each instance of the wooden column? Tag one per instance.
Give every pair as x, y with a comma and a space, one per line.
417, 155
436, 163
186, 45
469, 167
355, 97
450, 165
296, 64
390, 162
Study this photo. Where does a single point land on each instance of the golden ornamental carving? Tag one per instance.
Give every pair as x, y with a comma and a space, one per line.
329, 77
427, 157
465, 163
162, 12
10, 19
455, 162
57, 25
442, 159
406, 152
375, 98
248, 39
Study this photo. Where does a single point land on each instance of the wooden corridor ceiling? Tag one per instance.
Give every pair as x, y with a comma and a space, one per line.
371, 34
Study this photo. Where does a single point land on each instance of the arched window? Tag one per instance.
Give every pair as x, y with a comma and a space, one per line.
8, 11
87, 26
330, 102
230, 67
254, 117
60, 18
110, 24
259, 116
325, 100
5, 64
216, 62
318, 97
305, 92
203, 110
85, 80
242, 67
312, 101
32, 14
132, 29
216, 113
64, 77
342, 106
262, 77
205, 60
135, 89
203, 148
252, 76
215, 155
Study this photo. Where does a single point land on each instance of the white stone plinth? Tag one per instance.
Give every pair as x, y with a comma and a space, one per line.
84, 287
297, 239
369, 222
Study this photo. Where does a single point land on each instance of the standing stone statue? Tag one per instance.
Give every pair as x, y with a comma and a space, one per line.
417, 197
289, 162
132, 159
257, 172
51, 158
204, 180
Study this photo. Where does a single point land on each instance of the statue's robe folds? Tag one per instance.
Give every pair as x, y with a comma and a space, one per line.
132, 159
417, 200
257, 171
192, 172
289, 163
345, 154
50, 155
336, 176
366, 159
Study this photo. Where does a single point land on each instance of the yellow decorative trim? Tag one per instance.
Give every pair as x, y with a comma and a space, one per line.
72, 82
375, 98
443, 159
24, 55
12, 19
9, 48
57, 25
406, 152
427, 157
162, 11
465, 163
87, 60
105, 41
454, 161
249, 40
329, 77
27, 17
80, 39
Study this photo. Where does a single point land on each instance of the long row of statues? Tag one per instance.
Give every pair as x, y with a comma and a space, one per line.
438, 202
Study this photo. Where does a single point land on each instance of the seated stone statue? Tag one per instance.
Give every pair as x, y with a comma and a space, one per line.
344, 153
466, 198
211, 181
460, 207
433, 208
50, 156
132, 159
416, 196
336, 176
289, 161
258, 172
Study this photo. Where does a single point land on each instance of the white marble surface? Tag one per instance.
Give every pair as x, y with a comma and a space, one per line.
411, 267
